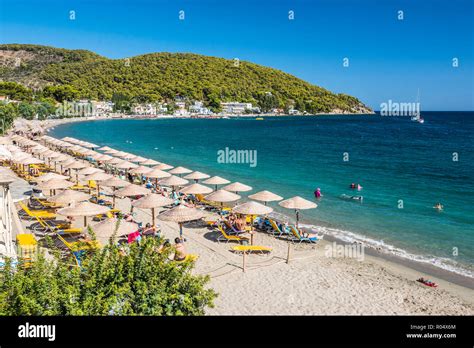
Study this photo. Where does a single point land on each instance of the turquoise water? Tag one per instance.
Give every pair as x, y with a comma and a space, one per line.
391, 157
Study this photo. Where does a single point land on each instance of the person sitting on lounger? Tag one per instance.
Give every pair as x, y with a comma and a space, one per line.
240, 223
149, 230
180, 254
166, 244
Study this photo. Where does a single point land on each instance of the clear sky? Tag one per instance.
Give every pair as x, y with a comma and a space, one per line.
388, 58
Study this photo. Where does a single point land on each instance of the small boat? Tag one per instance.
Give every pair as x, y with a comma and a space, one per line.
417, 117
259, 119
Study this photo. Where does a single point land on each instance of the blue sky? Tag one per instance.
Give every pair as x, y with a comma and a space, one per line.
388, 58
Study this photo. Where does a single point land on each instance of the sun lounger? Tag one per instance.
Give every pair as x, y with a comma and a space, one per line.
54, 226
228, 238
33, 214
302, 236
189, 257
78, 245
252, 248
43, 203
276, 230
232, 228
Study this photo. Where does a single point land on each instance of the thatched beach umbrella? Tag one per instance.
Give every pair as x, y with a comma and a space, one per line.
297, 203
162, 166
252, 208
76, 165
55, 184
132, 190
157, 174
138, 159
113, 161
69, 196
196, 189
216, 180
237, 187
120, 154
180, 170
104, 230
265, 196
49, 176
105, 148
140, 170
181, 214
125, 165
111, 152
150, 162
84, 209
196, 176
89, 171
222, 196
173, 181
152, 201
98, 177
114, 182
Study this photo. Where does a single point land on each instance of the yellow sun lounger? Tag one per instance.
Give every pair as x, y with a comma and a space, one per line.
37, 213
50, 226
251, 248
229, 238
26, 248
189, 257
79, 245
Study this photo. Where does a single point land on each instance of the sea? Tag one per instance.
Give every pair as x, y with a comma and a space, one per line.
404, 168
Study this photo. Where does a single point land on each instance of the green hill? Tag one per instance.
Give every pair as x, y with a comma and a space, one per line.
163, 76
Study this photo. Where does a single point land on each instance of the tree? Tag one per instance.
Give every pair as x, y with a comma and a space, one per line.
26, 110
141, 281
15, 91
8, 112
61, 93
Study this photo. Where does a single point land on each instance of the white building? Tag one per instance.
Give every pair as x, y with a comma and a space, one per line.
102, 108
236, 107
144, 109
181, 109
198, 108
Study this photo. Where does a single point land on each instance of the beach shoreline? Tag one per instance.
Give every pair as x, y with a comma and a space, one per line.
311, 283
433, 271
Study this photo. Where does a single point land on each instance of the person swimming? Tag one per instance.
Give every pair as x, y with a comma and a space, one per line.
438, 206
352, 186
317, 193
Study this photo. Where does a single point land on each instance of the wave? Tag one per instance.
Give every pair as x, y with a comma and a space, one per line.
379, 245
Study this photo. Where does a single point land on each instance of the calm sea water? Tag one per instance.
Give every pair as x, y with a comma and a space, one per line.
404, 168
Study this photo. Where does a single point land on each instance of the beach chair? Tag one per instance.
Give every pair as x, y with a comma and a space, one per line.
78, 245
43, 214
252, 248
42, 203
233, 230
277, 231
302, 236
228, 238
26, 250
53, 226
189, 257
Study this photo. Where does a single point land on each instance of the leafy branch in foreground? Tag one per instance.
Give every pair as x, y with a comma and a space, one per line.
111, 281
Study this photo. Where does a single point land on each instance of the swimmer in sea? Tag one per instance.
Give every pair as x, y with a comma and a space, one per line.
317, 193
438, 206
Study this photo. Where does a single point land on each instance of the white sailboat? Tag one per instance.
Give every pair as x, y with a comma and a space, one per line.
417, 117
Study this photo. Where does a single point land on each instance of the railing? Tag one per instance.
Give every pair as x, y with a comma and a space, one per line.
8, 220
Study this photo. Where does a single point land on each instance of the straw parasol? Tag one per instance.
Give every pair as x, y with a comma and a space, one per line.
105, 148
49, 176
157, 174
265, 196
152, 201
114, 182
111, 152
97, 177
216, 180
89, 171
163, 166
138, 159
237, 187
252, 208
181, 214
140, 170
30, 160
76, 165
180, 170
120, 154
150, 162
297, 203
196, 189
83, 209
69, 196
222, 196
173, 181
127, 156
55, 184
125, 165
113, 160
132, 190
196, 176
104, 230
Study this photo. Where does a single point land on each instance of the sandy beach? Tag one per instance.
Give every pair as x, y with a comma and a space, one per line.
311, 283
